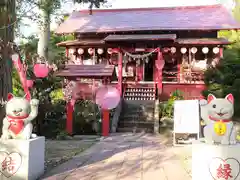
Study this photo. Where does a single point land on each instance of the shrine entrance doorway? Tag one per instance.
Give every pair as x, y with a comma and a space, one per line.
149, 68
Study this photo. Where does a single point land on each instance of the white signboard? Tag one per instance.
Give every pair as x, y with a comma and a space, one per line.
186, 116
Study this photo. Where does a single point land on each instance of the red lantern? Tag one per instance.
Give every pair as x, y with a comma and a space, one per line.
29, 83
40, 70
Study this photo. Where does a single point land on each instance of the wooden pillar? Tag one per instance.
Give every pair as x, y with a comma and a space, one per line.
159, 65
70, 110
120, 59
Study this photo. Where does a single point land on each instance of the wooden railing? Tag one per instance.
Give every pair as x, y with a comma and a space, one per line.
186, 77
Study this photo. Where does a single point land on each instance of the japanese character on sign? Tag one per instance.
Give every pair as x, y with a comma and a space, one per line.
8, 165
224, 171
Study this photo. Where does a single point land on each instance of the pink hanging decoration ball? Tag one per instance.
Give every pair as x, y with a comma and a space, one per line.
41, 70
30, 83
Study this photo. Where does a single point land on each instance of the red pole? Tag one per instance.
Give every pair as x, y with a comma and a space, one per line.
120, 56
105, 122
70, 109
221, 52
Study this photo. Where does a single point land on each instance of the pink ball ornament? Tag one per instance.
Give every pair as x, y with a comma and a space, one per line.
40, 70
30, 83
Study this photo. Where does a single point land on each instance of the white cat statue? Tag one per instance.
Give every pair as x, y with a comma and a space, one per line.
19, 114
217, 114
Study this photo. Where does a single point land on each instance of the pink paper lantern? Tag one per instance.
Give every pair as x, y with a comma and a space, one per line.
107, 97
40, 70
30, 83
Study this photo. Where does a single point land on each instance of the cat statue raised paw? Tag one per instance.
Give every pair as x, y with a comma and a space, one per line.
19, 114
217, 114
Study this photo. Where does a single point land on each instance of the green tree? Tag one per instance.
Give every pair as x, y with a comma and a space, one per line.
225, 78
7, 24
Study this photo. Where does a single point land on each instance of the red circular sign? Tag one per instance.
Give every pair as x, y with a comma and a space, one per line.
107, 97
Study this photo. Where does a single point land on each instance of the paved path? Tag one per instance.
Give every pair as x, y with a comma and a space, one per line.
124, 157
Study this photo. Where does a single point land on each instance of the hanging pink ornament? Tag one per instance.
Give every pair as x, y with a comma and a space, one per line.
29, 83
40, 70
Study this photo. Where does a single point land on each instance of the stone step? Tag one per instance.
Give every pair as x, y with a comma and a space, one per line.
138, 103
135, 130
137, 110
136, 117
138, 124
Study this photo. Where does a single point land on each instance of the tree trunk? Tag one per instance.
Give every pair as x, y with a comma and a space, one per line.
44, 34
7, 19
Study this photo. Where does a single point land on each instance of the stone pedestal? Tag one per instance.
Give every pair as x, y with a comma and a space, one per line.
22, 159
215, 162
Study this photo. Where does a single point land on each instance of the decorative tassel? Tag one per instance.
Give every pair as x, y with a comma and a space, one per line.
138, 62
125, 58
146, 59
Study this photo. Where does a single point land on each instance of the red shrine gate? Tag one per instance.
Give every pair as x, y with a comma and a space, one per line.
151, 52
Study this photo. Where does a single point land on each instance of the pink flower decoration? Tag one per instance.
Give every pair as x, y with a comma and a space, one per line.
29, 83
40, 70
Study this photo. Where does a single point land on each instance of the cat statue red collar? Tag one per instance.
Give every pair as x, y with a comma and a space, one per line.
217, 114
19, 114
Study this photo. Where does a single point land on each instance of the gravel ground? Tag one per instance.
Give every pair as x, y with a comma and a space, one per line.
60, 151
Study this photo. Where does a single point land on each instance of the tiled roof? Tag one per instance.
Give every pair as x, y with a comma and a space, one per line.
211, 17
81, 42
205, 41
86, 71
136, 37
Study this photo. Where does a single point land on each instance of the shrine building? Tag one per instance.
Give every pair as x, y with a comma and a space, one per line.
147, 53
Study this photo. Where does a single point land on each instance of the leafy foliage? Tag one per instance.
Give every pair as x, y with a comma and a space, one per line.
225, 78
168, 108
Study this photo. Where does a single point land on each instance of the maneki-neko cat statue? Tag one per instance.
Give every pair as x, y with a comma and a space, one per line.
19, 114
217, 114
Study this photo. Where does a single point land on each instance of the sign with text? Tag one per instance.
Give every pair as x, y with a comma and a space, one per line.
186, 116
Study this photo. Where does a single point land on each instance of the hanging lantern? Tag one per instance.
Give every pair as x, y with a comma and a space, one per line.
216, 50
72, 51
194, 50
40, 70
100, 51
90, 51
80, 51
183, 50
173, 50
109, 50
205, 50
30, 83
